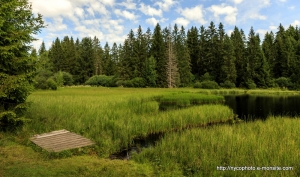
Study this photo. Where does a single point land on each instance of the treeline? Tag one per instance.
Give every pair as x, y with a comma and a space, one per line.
171, 57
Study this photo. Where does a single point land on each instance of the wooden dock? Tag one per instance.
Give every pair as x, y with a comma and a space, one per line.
60, 140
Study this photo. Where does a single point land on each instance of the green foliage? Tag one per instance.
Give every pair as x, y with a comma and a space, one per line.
67, 78
209, 85
51, 84
17, 67
101, 80
283, 82
227, 84
181, 100
150, 74
250, 84
206, 77
59, 79
138, 82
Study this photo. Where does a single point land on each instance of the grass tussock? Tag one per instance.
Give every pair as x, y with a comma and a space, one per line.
199, 152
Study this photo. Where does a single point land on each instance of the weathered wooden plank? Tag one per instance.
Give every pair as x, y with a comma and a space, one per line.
60, 140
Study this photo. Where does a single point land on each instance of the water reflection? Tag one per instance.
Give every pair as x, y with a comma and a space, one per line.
251, 107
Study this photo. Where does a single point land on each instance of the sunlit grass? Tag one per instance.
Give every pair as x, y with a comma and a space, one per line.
198, 152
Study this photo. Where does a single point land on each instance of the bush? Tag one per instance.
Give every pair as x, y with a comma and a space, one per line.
58, 78
68, 78
250, 84
227, 84
138, 82
51, 84
283, 82
41, 79
206, 77
100, 80
197, 85
206, 85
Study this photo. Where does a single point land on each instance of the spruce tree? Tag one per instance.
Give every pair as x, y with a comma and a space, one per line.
17, 26
228, 71
158, 51
182, 55
238, 40
193, 47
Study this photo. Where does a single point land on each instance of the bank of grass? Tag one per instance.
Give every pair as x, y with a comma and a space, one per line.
198, 152
114, 117
18, 160
183, 100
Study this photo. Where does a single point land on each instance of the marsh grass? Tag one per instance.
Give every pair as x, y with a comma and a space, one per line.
183, 100
114, 117
198, 152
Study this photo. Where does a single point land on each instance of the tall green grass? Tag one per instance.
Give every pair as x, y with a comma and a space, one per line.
198, 152
113, 117
182, 100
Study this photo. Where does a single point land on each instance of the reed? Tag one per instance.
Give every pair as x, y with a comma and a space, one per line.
114, 117
198, 152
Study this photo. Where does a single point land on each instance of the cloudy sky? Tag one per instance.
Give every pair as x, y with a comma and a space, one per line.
111, 20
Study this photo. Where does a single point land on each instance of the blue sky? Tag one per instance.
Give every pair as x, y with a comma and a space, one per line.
111, 20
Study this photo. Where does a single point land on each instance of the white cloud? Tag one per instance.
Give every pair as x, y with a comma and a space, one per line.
272, 27
282, 0
237, 1
53, 8
296, 23
152, 21
126, 14
128, 4
108, 2
147, 10
165, 5
79, 12
261, 32
223, 9
292, 7
257, 16
181, 22
193, 14
56, 25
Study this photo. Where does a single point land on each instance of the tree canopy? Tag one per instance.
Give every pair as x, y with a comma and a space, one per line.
17, 26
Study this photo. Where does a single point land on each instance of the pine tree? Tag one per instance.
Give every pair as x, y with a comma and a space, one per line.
193, 47
228, 71
158, 52
268, 48
182, 56
258, 68
238, 41
150, 74
140, 52
56, 55
17, 26
86, 60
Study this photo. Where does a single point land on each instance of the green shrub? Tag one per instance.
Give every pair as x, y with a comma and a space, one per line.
138, 82
250, 84
51, 84
206, 85
227, 84
68, 78
197, 85
100, 80
283, 82
41, 79
58, 78
206, 77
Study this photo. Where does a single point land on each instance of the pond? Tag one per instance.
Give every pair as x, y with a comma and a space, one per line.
252, 107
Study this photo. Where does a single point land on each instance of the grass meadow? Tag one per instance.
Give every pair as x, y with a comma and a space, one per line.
113, 117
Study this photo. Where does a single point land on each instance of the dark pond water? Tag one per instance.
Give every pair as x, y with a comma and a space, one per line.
251, 107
